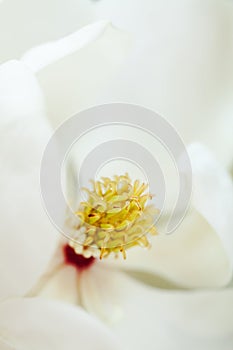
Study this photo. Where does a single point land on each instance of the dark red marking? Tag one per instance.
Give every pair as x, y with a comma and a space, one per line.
77, 260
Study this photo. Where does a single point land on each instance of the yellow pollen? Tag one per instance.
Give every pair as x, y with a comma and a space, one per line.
115, 217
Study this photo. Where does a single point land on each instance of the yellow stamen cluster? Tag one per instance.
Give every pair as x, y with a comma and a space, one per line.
115, 217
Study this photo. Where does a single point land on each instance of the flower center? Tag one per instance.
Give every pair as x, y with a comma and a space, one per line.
114, 217
77, 260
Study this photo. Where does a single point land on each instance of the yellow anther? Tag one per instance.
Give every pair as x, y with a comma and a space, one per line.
80, 215
140, 189
107, 226
123, 225
92, 218
118, 198
114, 211
88, 241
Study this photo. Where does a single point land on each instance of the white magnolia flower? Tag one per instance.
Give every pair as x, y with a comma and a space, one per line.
198, 255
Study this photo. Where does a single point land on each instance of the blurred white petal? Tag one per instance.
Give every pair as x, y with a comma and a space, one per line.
199, 252
167, 320
38, 22
5, 346
181, 66
27, 237
213, 194
41, 56
39, 324
74, 82
20, 94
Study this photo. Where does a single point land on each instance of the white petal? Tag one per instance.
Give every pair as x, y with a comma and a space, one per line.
39, 324
5, 346
63, 285
100, 291
199, 253
74, 82
27, 236
20, 94
193, 256
38, 22
41, 56
181, 320
213, 194
181, 66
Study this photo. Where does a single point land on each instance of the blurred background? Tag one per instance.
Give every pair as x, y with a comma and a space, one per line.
180, 63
